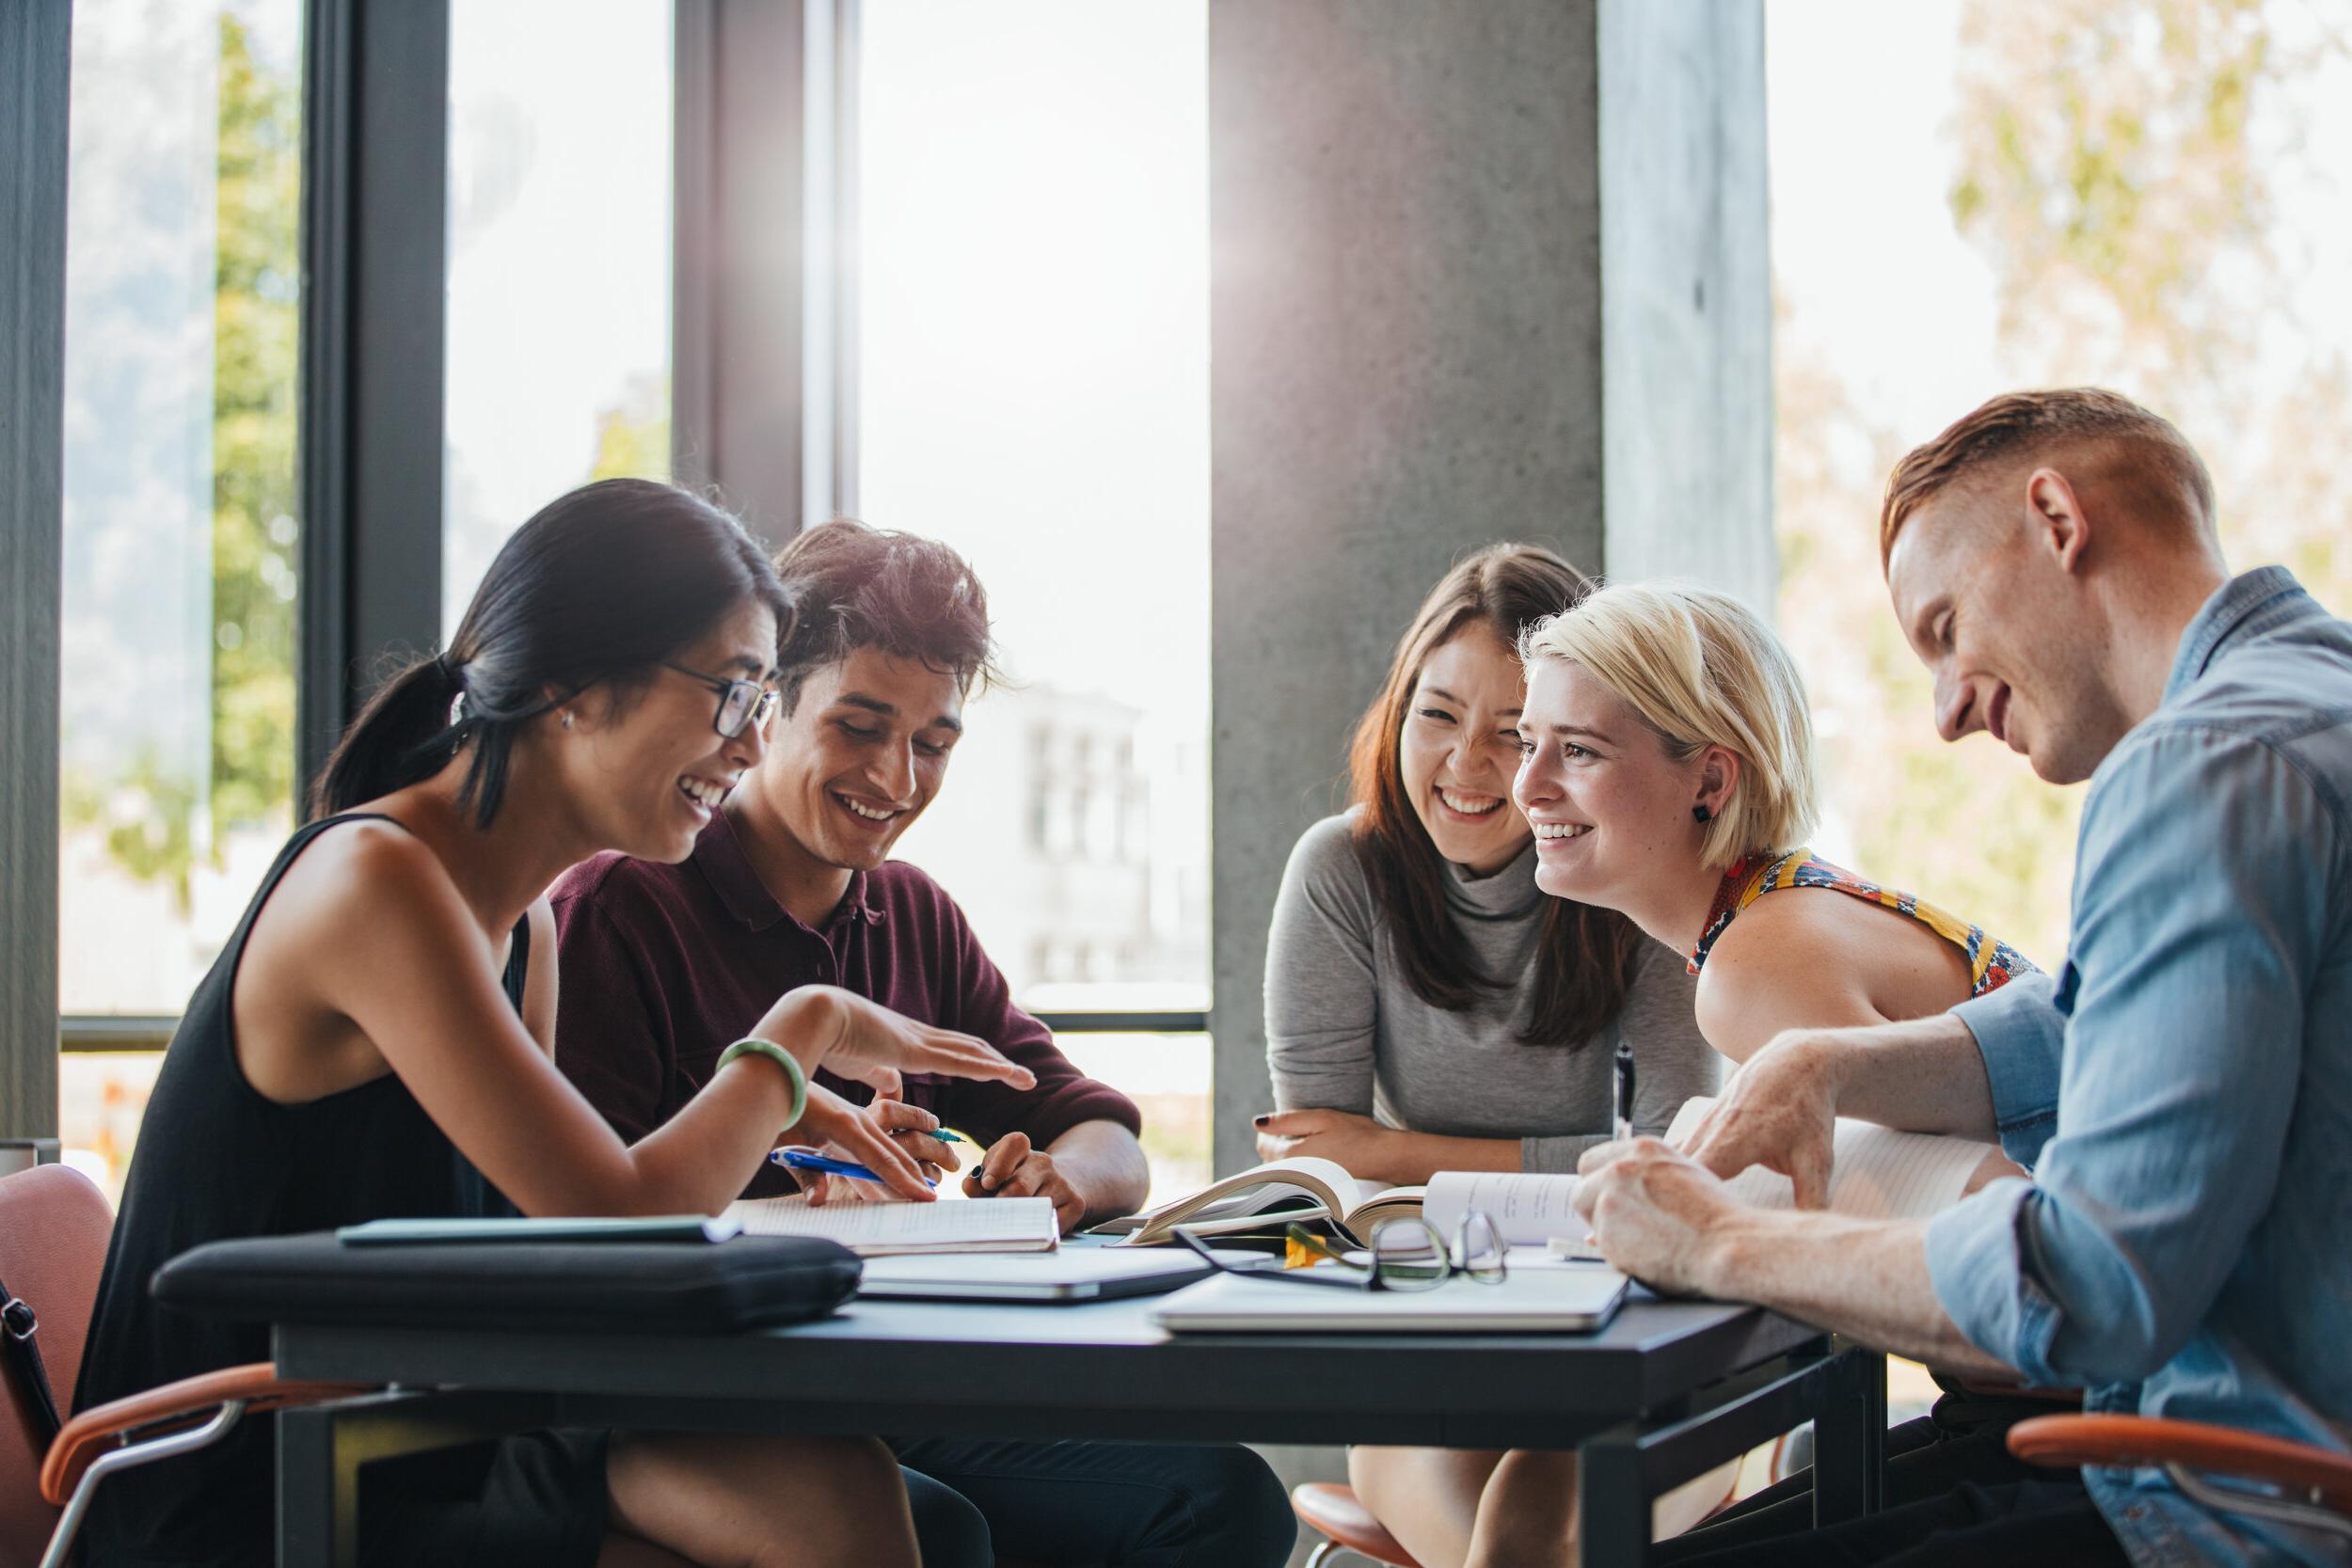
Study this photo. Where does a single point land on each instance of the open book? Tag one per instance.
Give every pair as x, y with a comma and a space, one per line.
882, 1229
1877, 1173
1273, 1195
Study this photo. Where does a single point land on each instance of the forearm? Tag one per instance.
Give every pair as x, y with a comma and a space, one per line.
1923, 1075
1864, 1278
701, 1158
1105, 1166
1411, 1158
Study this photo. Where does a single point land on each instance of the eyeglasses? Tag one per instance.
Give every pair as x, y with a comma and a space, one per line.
740, 703
1407, 1254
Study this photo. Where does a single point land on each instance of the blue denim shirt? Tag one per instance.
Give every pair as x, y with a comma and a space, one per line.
2183, 1091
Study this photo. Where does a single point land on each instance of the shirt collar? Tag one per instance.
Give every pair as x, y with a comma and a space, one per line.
2224, 618
719, 855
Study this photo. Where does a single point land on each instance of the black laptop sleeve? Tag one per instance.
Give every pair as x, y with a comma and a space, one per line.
543, 1287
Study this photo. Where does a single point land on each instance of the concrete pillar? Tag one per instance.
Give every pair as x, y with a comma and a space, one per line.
1480, 271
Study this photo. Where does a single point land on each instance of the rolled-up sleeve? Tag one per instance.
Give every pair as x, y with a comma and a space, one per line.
2200, 913
2021, 1033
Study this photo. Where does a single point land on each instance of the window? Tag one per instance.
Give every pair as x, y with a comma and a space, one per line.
2146, 199
2171, 230
1032, 194
1033, 373
560, 147
181, 540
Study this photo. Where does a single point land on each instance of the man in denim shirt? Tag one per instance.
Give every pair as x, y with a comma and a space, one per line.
2182, 1092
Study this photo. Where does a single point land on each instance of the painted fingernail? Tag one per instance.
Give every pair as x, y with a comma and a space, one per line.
1260, 1121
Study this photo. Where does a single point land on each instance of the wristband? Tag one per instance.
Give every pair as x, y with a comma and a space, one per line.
783, 1059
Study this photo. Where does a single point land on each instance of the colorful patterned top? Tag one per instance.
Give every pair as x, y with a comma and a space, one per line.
1991, 963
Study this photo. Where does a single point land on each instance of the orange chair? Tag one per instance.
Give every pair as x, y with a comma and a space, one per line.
2312, 1487
54, 1228
1336, 1513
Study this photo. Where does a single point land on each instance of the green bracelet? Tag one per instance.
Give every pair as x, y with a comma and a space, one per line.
783, 1059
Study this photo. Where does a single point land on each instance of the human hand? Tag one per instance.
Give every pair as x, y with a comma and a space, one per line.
854, 1038
888, 1137
1779, 1111
1013, 1168
1653, 1211
1358, 1143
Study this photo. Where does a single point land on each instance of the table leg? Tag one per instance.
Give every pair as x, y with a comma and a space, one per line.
321, 1447
1612, 1499
1850, 1441
318, 1492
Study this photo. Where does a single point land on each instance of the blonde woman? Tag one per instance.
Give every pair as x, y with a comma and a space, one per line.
1668, 772
1427, 1007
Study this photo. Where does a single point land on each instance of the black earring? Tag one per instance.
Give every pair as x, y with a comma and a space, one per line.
1702, 814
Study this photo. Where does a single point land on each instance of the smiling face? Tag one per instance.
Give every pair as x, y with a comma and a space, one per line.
852, 766
1611, 809
647, 769
1458, 746
1994, 607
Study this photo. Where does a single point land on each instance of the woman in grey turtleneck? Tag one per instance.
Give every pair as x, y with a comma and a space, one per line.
1428, 1007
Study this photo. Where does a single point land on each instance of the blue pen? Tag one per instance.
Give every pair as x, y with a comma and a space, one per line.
802, 1159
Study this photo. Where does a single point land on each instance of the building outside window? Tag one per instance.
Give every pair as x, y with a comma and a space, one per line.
1032, 273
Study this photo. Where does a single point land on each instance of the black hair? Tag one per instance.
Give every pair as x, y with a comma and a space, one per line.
601, 585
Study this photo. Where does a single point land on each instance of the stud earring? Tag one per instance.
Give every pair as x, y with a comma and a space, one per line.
1699, 813
567, 718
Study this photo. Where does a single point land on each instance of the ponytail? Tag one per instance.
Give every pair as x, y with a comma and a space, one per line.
404, 735
598, 587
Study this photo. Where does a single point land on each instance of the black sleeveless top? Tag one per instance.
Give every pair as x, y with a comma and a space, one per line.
216, 1159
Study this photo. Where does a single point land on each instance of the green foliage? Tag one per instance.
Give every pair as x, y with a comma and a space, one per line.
2117, 169
256, 305
148, 813
633, 439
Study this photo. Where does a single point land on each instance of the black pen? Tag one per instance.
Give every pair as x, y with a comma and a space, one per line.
1624, 1127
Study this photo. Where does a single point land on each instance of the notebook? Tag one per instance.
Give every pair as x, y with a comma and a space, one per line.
1068, 1274
1877, 1173
1565, 1300
884, 1229
508, 1229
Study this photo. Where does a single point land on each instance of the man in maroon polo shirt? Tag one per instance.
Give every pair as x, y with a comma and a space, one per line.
664, 966
788, 886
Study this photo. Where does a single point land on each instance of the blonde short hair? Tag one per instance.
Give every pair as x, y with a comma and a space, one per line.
1701, 669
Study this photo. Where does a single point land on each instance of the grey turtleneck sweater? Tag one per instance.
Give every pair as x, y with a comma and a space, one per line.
1346, 1030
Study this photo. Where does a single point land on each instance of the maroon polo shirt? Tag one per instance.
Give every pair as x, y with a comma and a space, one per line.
665, 966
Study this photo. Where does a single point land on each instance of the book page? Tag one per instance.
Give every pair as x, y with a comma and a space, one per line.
997, 1223
1253, 1190
1528, 1208
1876, 1173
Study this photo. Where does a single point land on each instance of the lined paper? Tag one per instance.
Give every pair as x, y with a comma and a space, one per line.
1876, 1173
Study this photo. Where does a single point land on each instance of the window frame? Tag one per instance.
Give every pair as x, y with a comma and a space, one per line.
766, 194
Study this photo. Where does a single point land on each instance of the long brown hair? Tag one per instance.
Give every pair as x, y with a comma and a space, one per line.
1584, 961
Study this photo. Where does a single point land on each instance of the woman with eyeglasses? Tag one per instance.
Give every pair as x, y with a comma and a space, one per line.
374, 1041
